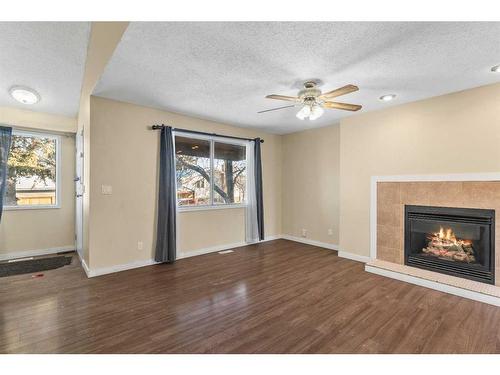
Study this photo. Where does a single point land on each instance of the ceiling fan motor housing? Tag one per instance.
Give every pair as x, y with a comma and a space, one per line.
309, 93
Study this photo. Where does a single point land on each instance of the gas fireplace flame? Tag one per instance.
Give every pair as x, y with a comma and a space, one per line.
448, 236
444, 244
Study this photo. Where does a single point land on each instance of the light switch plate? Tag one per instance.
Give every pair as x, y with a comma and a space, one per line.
107, 189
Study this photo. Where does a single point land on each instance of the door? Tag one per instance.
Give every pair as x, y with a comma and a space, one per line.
79, 190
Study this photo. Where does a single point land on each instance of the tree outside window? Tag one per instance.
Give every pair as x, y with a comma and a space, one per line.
31, 176
200, 160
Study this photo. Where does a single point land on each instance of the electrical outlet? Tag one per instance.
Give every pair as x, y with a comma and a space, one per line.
304, 232
330, 232
140, 245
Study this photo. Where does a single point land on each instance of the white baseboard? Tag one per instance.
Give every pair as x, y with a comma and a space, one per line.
310, 242
84, 266
352, 256
149, 262
271, 238
341, 253
93, 272
35, 253
214, 249
476, 296
208, 250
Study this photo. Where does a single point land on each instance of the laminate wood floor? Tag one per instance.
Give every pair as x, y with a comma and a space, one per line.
275, 297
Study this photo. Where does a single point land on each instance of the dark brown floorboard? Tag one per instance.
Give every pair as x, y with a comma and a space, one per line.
275, 297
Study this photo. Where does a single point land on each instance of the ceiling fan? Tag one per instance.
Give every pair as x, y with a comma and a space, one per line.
313, 101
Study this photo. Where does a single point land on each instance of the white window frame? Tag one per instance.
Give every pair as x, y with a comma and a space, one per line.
212, 139
57, 139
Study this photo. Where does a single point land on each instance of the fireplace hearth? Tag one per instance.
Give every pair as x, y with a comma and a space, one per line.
454, 241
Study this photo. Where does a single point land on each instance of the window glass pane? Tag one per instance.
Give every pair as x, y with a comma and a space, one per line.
229, 173
31, 178
193, 171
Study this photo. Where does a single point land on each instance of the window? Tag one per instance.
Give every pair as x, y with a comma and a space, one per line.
229, 173
211, 171
32, 171
193, 171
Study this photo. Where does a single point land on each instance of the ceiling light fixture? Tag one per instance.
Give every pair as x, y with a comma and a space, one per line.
313, 102
496, 69
304, 112
387, 98
24, 95
312, 110
316, 112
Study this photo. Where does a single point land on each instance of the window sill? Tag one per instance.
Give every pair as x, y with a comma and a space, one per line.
209, 208
23, 208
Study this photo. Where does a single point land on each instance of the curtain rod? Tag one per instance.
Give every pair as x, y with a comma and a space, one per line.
158, 127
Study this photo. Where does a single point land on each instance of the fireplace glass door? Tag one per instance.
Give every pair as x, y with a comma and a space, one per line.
454, 241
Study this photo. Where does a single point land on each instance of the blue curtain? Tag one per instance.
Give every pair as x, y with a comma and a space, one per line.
258, 188
5, 139
165, 234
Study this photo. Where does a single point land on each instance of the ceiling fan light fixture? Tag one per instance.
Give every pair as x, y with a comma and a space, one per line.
314, 102
316, 112
304, 112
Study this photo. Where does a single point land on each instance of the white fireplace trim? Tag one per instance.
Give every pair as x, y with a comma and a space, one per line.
487, 176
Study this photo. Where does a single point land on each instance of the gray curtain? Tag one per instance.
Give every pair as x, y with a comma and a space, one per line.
165, 235
5, 138
258, 189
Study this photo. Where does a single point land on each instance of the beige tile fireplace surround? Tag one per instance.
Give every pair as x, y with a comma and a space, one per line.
389, 197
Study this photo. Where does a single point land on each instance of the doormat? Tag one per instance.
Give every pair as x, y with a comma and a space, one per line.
33, 265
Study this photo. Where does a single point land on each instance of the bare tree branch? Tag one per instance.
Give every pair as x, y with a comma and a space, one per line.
238, 174
205, 175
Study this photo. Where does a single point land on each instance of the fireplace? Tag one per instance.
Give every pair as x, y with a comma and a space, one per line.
454, 241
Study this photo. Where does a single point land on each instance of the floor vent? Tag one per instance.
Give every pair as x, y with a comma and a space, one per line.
226, 251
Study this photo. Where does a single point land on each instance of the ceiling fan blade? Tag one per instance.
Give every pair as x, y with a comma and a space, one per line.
345, 106
338, 92
275, 109
283, 97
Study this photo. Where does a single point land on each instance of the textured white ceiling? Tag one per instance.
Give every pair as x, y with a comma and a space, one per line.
46, 56
222, 71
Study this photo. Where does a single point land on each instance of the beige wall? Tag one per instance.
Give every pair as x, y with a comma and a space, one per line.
326, 173
311, 184
37, 120
124, 155
27, 230
455, 133
202, 229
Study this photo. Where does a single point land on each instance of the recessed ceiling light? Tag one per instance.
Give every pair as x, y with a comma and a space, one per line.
24, 95
496, 69
387, 98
